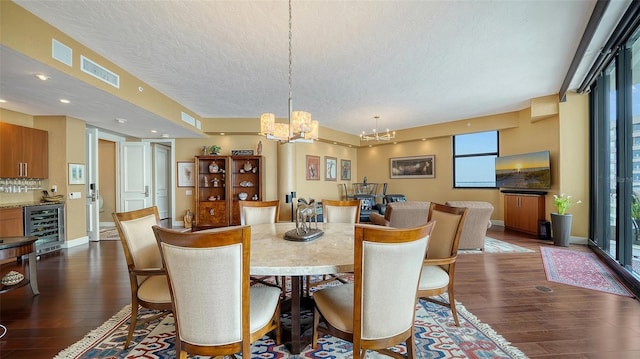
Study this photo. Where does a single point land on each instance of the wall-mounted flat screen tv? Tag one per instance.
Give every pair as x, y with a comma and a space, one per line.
524, 171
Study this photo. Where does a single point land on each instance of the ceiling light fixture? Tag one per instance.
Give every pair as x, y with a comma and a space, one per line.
42, 77
64, 100
376, 135
301, 128
121, 120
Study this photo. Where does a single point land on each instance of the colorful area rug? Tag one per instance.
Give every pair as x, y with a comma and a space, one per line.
109, 234
492, 245
436, 337
580, 269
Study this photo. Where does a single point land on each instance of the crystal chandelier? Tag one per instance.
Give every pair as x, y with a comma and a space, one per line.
301, 128
377, 136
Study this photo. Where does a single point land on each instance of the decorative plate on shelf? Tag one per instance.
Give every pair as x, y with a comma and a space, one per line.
246, 184
242, 196
12, 278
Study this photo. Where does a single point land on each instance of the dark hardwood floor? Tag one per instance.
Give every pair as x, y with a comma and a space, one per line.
82, 287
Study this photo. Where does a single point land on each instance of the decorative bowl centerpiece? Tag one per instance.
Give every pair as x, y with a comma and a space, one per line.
242, 196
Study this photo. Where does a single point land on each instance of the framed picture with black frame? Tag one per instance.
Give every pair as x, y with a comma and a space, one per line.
413, 167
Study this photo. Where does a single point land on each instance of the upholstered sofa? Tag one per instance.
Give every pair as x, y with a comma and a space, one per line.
402, 214
476, 224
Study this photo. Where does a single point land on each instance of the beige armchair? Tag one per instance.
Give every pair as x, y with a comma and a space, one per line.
476, 224
403, 214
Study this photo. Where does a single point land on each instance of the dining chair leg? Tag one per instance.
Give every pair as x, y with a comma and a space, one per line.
132, 323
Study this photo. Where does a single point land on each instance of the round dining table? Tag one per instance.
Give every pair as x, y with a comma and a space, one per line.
272, 255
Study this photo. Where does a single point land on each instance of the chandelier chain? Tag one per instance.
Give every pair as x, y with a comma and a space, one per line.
290, 48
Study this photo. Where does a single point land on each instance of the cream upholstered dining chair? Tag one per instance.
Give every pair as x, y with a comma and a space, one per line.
216, 311
340, 211
259, 212
147, 276
377, 310
336, 212
439, 266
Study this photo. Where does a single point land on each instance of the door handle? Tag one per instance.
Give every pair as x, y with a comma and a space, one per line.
26, 169
146, 191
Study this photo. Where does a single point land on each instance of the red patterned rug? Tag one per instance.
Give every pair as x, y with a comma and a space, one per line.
580, 269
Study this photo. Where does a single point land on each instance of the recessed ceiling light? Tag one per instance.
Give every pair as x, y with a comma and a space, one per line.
154, 131
2, 101
121, 120
42, 77
64, 100
165, 135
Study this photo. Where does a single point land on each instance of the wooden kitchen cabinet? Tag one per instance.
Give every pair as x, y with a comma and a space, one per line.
24, 152
11, 222
523, 212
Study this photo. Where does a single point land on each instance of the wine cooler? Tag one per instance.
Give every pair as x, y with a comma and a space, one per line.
47, 223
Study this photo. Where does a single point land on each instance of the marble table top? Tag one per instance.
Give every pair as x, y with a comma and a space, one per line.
271, 254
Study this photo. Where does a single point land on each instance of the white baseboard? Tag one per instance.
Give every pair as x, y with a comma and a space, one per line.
76, 242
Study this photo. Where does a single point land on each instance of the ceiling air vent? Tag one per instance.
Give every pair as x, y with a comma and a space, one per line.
61, 52
188, 119
99, 72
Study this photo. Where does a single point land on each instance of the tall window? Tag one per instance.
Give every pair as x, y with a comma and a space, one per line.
474, 157
615, 155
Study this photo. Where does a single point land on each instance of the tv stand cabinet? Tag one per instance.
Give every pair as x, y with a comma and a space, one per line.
523, 212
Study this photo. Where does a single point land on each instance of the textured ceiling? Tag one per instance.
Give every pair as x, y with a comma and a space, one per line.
410, 62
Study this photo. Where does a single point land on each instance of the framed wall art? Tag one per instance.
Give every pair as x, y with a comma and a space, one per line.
330, 168
313, 168
185, 174
345, 170
413, 167
76, 173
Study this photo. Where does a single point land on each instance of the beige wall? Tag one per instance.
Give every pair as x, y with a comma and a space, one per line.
67, 145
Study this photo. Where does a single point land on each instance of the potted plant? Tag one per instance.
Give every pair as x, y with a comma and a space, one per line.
635, 218
561, 220
214, 150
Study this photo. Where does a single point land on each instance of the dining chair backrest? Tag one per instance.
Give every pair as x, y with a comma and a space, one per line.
387, 268
340, 211
209, 283
446, 235
136, 235
259, 212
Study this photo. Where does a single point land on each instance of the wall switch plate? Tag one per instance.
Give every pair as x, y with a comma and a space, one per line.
75, 195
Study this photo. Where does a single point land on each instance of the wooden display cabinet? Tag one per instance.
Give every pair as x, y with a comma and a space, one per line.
212, 202
246, 178
523, 212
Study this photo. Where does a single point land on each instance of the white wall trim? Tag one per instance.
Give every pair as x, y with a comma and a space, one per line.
75, 242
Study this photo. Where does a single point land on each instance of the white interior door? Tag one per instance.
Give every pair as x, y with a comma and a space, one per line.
162, 177
135, 176
93, 209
